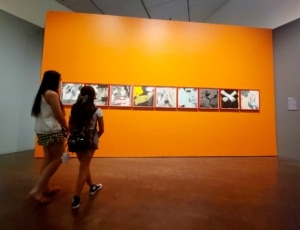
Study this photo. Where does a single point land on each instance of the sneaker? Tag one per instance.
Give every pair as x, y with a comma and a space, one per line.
76, 202
95, 188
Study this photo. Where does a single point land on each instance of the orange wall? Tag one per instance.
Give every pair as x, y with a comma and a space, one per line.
119, 50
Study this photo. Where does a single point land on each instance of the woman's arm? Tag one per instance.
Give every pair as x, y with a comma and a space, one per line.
52, 99
100, 122
70, 125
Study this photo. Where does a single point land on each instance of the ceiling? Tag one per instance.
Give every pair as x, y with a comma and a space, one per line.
253, 13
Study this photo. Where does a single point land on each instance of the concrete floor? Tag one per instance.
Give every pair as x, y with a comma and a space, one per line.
209, 193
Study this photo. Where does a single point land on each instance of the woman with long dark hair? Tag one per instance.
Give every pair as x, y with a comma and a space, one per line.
51, 130
84, 113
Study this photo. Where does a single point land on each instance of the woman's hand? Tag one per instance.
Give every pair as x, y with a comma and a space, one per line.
65, 131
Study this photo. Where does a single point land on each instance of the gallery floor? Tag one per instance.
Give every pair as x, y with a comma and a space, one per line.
209, 193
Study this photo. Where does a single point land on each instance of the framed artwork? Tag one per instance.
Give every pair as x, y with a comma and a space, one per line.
165, 97
101, 94
249, 99
120, 95
229, 98
208, 98
143, 96
187, 98
70, 92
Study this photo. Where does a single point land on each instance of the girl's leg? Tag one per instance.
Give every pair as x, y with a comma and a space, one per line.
55, 150
89, 176
84, 171
49, 191
47, 158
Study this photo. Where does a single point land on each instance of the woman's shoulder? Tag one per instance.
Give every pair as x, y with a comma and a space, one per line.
99, 112
50, 95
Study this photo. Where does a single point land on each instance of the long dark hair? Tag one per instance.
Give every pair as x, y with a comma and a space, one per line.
51, 80
83, 110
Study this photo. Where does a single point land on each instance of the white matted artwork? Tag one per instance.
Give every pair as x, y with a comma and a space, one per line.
187, 98
165, 97
120, 95
70, 92
249, 99
101, 91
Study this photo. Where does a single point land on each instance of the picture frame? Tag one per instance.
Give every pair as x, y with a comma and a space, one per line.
143, 96
187, 98
102, 92
209, 98
250, 99
70, 92
165, 97
120, 95
229, 99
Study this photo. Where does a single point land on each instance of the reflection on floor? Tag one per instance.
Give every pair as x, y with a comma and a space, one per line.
157, 193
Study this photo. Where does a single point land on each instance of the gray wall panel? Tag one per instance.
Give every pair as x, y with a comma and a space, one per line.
20, 65
287, 84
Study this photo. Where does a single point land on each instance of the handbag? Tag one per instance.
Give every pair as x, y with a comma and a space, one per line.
79, 140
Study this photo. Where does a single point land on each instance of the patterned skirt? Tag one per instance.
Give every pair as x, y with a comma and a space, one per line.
49, 138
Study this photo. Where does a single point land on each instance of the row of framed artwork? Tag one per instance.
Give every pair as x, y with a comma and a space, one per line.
141, 96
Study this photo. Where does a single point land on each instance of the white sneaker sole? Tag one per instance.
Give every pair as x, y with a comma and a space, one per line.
92, 193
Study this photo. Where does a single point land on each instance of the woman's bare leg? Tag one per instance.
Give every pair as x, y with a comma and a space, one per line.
89, 178
84, 174
49, 191
55, 150
47, 158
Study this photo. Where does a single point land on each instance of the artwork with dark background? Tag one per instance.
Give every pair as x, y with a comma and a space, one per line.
229, 98
208, 98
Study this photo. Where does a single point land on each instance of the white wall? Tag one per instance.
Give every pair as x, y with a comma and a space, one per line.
254, 13
20, 65
257, 13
